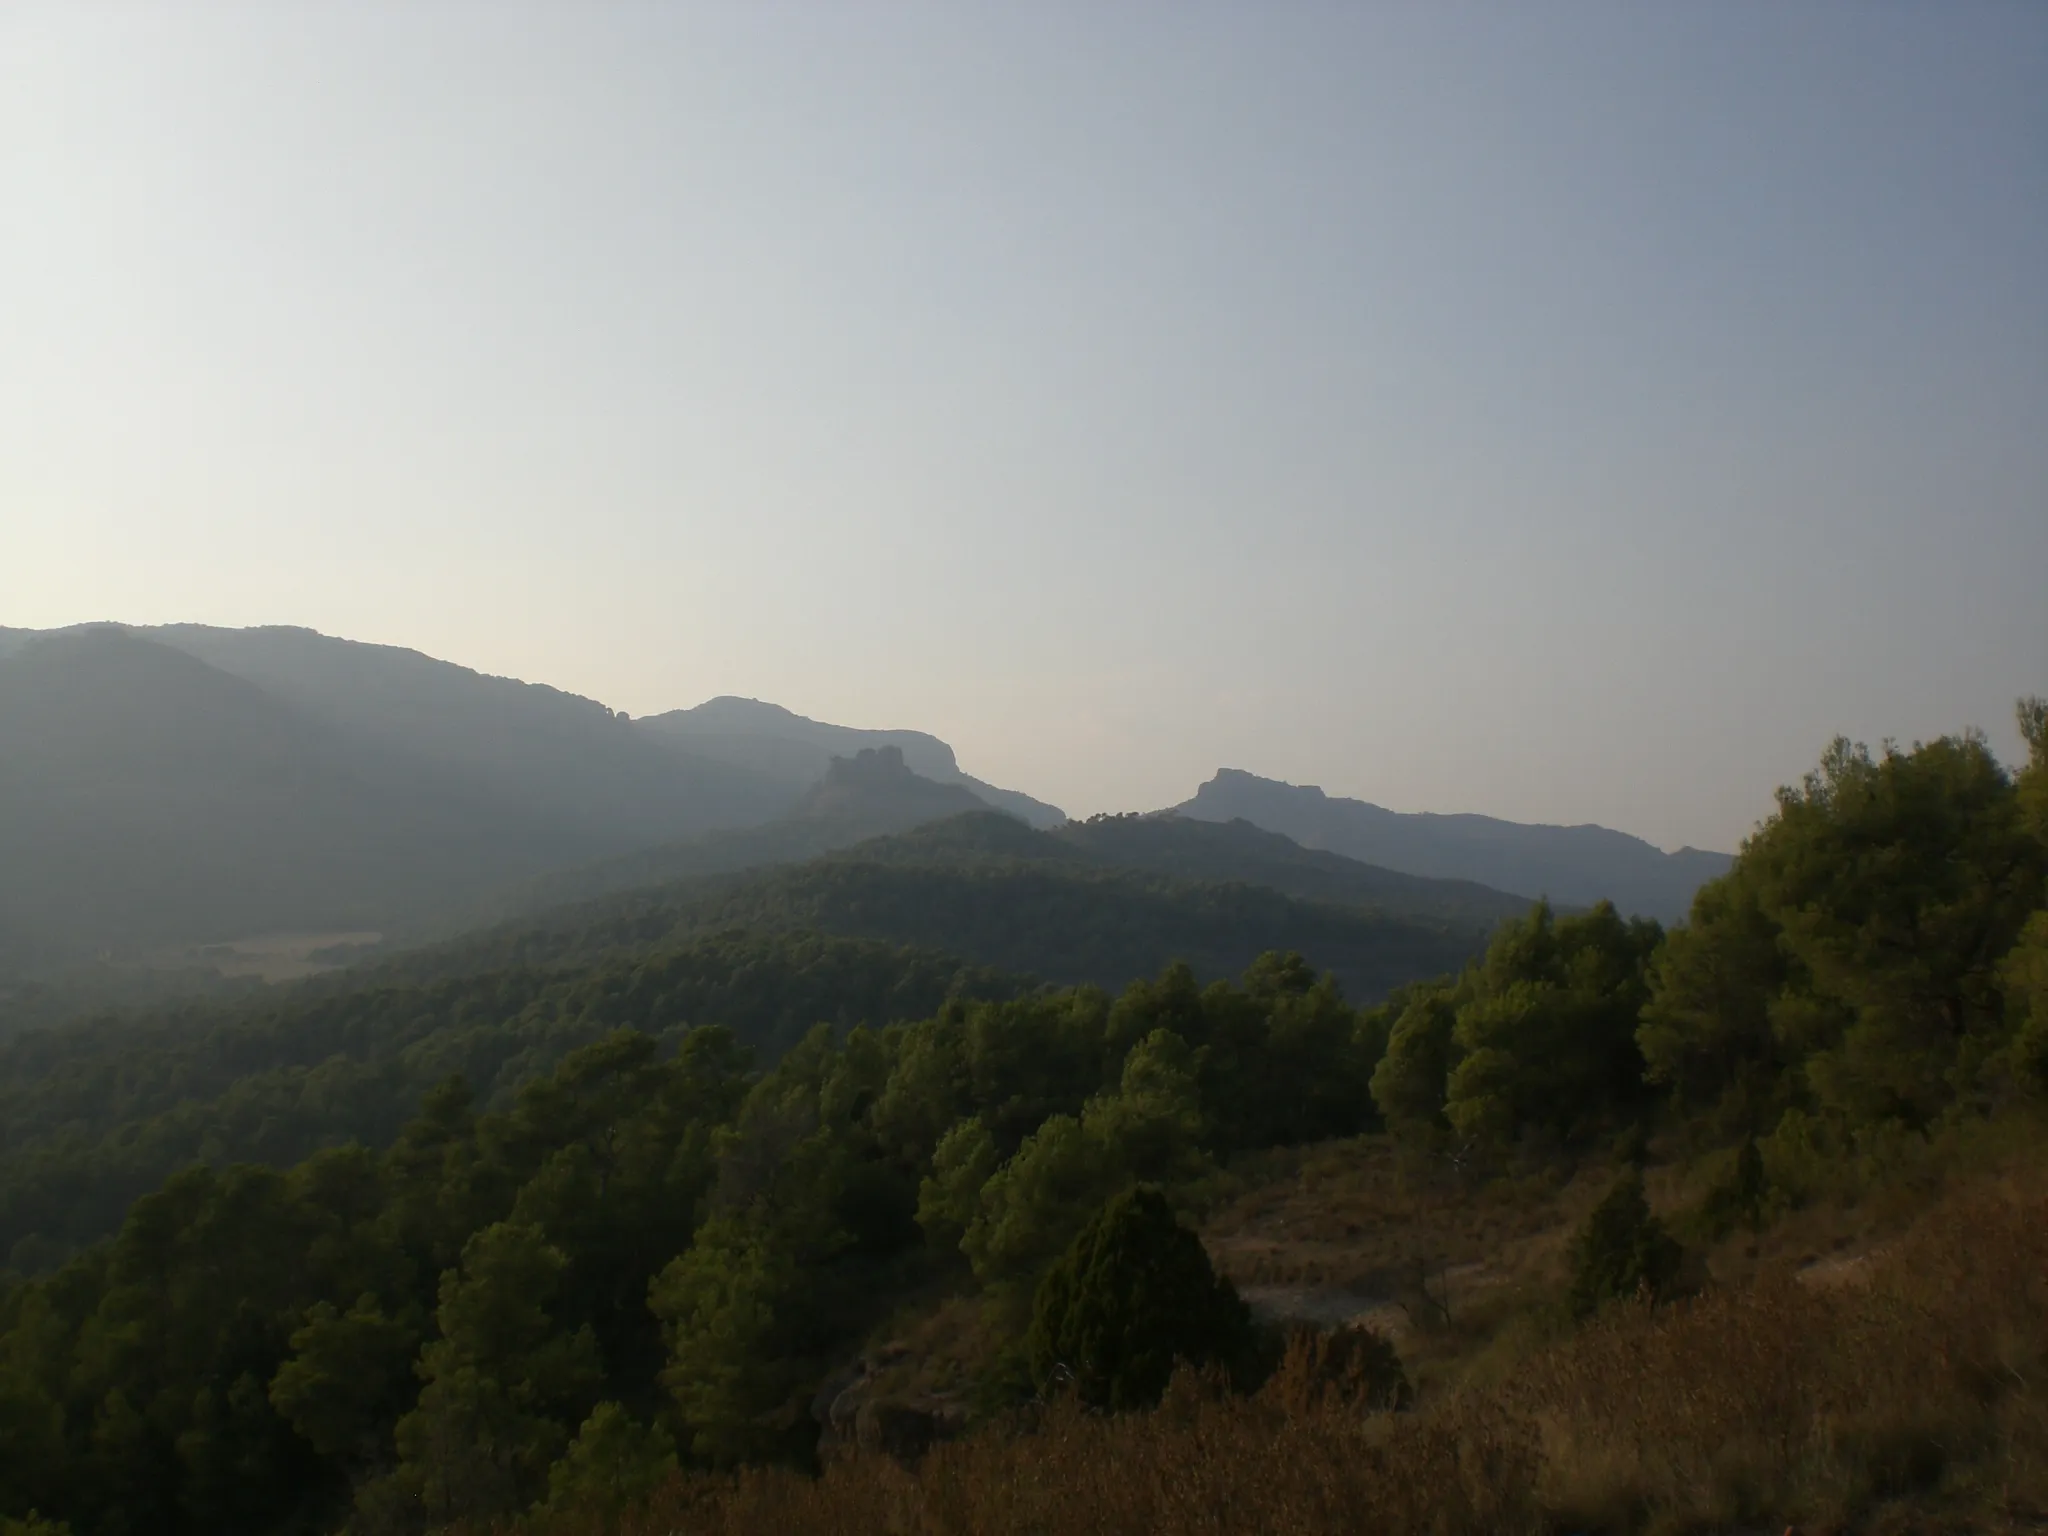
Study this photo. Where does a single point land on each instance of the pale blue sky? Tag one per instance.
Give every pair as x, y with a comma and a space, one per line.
1571, 412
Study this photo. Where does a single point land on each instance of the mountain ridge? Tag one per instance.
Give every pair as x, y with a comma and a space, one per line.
1575, 866
184, 783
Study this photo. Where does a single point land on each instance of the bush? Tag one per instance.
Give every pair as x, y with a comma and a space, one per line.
1349, 1369
1622, 1251
1131, 1296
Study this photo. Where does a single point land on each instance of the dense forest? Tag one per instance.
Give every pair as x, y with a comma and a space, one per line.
619, 1212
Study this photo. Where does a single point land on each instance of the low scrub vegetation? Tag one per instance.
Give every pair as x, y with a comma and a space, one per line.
1909, 1400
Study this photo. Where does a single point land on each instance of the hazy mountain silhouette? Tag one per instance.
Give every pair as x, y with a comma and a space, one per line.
555, 754
867, 795
1209, 852
146, 796
186, 783
776, 743
1574, 866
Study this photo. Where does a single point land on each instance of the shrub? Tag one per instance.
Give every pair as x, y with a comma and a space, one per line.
1622, 1251
1350, 1369
1131, 1296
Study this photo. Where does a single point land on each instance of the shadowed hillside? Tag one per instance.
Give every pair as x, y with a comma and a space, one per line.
1574, 866
781, 745
146, 796
187, 785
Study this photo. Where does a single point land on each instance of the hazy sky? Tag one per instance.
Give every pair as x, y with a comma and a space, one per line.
1569, 412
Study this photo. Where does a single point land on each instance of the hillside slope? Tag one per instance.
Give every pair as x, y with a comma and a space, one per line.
1574, 866
145, 796
782, 745
187, 785
869, 795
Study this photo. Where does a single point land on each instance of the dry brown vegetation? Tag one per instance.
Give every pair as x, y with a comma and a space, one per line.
1906, 1395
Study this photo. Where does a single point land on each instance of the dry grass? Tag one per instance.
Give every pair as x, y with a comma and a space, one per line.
1906, 1397
1201, 1463
1917, 1379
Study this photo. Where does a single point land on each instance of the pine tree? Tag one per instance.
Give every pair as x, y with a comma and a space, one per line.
1623, 1251
1133, 1295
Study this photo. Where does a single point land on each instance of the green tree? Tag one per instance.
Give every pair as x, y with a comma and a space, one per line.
499, 1382
729, 1306
347, 1377
2032, 785
1133, 1295
1409, 1082
949, 1198
2024, 976
1149, 1129
1622, 1251
1851, 961
613, 1463
1547, 1037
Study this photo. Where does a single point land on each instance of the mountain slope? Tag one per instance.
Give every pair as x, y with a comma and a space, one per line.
1108, 927
146, 796
869, 795
187, 784
557, 754
1575, 866
1179, 848
1238, 850
777, 743
95, 1114
997, 893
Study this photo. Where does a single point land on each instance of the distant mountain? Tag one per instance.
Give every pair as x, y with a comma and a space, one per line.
1237, 850
869, 795
1574, 866
554, 755
146, 796
770, 740
1221, 853
186, 784
1099, 902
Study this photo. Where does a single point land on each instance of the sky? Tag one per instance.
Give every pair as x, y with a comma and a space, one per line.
1570, 412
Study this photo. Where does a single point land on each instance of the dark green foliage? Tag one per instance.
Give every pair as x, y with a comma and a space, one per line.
611, 1238
1107, 927
613, 1462
419, 1332
1739, 1198
1536, 1039
1859, 961
501, 1384
1622, 1252
1410, 1080
95, 1115
1133, 1296
1547, 1037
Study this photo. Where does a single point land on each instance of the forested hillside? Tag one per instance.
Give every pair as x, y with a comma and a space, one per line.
604, 1259
96, 1114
